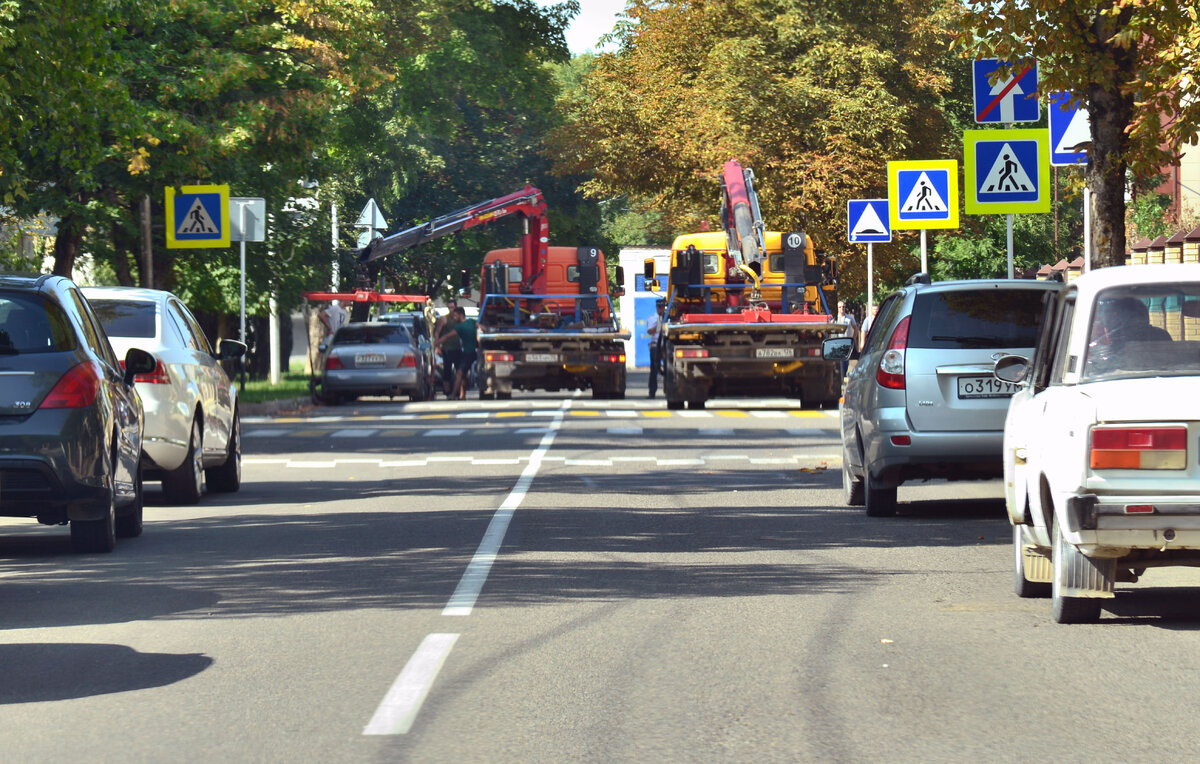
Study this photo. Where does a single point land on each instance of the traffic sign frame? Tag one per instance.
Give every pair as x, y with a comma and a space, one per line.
856, 208
974, 139
898, 188
215, 201
1060, 121
989, 108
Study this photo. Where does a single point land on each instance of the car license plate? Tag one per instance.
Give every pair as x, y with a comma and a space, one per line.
985, 387
774, 352
543, 357
369, 359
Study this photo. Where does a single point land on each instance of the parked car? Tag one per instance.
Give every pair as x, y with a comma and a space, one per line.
374, 358
420, 323
922, 403
193, 429
70, 417
1102, 468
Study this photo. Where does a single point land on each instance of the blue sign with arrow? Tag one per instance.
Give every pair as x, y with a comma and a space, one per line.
1010, 99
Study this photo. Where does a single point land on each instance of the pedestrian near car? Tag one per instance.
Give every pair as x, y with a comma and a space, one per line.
653, 326
866, 326
451, 346
851, 331
465, 329
333, 318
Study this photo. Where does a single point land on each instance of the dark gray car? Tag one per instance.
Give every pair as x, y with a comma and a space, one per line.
70, 417
922, 402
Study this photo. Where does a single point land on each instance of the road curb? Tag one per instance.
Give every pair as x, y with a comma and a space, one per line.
279, 406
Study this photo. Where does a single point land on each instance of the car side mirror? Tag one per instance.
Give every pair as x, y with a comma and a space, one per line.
837, 348
1011, 368
227, 349
138, 361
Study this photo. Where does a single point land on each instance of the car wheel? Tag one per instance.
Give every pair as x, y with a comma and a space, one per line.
852, 485
98, 535
227, 477
695, 405
129, 522
1068, 609
185, 483
880, 501
1022, 585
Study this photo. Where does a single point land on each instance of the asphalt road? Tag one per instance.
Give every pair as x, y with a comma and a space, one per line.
552, 578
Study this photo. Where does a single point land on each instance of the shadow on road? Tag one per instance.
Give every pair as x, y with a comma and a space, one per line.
40, 672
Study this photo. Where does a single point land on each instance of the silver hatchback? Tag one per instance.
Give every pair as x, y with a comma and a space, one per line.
374, 358
922, 402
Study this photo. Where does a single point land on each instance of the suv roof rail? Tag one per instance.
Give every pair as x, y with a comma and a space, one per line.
918, 278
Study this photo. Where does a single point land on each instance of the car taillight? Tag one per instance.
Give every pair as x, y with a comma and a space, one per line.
891, 367
333, 362
1139, 448
612, 358
498, 357
409, 361
691, 353
76, 389
160, 375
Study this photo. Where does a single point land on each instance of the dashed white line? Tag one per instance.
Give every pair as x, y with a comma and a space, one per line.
624, 430
444, 432
398, 709
352, 433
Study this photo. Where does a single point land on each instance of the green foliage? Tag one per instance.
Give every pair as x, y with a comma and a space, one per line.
1147, 216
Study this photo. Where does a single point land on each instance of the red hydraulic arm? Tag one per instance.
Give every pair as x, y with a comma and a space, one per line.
527, 203
740, 216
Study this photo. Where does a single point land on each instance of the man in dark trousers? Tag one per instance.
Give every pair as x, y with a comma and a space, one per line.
653, 328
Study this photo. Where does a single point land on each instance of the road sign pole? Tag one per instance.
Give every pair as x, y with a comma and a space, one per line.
924, 252
870, 278
333, 282
1087, 229
1010, 245
242, 248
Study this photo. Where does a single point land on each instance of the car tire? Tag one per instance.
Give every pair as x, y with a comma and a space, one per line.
695, 405
852, 485
1068, 609
128, 524
184, 484
227, 476
100, 535
1022, 586
879, 500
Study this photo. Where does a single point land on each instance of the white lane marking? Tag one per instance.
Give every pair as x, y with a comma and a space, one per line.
680, 462
263, 433
769, 414
587, 462
398, 709
532, 430
352, 433
694, 414
635, 459
787, 460
489, 462
444, 432
394, 417
265, 461
314, 465
405, 463
546, 412
624, 430
473, 415
474, 577
450, 458
620, 413
717, 457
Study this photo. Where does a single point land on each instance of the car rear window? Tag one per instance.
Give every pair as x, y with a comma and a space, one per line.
976, 318
32, 324
1144, 330
378, 334
122, 318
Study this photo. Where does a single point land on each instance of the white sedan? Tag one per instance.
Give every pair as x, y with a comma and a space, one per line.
1102, 445
192, 427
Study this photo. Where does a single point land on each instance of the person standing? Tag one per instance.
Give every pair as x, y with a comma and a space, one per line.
333, 318
653, 327
851, 331
450, 347
866, 326
465, 329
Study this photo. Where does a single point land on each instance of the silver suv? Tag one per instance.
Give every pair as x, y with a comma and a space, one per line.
922, 403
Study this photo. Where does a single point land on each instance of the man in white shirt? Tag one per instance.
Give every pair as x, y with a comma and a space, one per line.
333, 318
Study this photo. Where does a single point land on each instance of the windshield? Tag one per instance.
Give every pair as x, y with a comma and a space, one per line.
29, 324
122, 318
1147, 330
976, 318
372, 334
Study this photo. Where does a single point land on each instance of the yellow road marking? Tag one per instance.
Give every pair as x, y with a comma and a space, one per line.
657, 413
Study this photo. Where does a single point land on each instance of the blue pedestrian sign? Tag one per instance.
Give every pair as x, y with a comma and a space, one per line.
1006, 171
1011, 98
197, 217
923, 194
867, 221
1070, 131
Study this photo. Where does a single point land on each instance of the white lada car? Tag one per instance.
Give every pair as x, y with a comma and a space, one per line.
1102, 444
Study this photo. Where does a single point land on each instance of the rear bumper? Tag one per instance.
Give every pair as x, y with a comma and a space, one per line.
38, 487
956, 455
367, 382
1100, 525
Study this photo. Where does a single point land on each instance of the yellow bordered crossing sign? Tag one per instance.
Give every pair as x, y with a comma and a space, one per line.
197, 217
923, 194
1006, 171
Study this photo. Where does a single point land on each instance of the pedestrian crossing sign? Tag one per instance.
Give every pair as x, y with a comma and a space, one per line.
1006, 171
923, 194
197, 217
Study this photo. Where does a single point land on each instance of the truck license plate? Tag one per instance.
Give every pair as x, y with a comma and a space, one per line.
542, 357
774, 352
985, 387
369, 359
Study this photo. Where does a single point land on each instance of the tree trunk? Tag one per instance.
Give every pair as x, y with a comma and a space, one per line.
66, 245
1110, 110
146, 271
